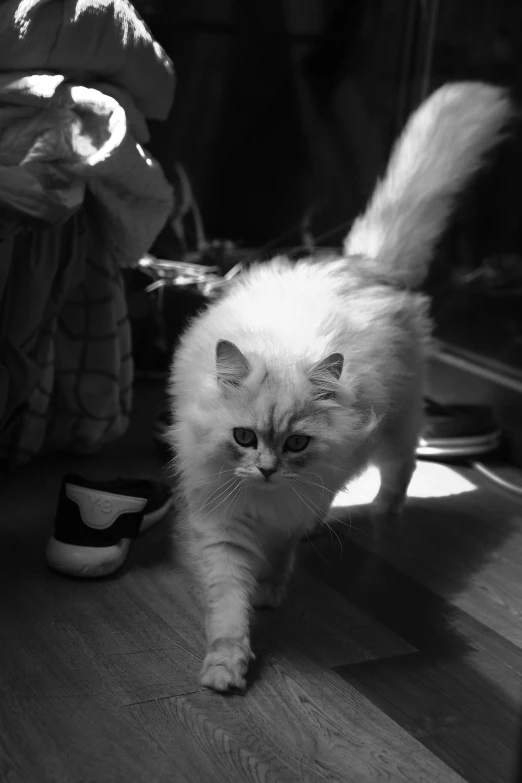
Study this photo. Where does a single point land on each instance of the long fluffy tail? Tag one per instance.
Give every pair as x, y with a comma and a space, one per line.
443, 144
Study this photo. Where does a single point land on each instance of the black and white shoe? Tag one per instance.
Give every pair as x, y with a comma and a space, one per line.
97, 521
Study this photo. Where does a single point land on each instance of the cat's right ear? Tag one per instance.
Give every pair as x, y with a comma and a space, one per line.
325, 374
232, 367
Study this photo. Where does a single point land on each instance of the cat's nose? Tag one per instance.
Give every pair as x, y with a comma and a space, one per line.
267, 472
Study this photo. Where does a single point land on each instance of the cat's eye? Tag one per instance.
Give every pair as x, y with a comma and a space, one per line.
297, 442
245, 438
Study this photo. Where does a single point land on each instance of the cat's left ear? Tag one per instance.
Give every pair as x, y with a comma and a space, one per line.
325, 374
232, 367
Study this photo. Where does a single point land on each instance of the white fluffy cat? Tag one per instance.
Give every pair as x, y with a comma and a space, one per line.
303, 373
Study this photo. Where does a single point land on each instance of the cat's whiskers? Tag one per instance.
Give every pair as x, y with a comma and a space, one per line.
230, 494
221, 485
309, 541
335, 533
329, 513
351, 527
319, 514
234, 501
302, 499
321, 486
213, 477
330, 467
212, 497
304, 483
220, 503
311, 473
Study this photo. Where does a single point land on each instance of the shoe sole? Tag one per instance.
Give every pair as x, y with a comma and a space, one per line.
86, 562
92, 562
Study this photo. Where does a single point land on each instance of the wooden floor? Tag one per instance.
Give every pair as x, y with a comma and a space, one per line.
399, 666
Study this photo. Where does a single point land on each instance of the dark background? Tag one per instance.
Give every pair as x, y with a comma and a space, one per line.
285, 113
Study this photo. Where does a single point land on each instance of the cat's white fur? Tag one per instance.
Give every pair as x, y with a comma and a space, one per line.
332, 351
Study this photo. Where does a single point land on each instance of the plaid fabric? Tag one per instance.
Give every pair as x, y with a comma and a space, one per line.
66, 367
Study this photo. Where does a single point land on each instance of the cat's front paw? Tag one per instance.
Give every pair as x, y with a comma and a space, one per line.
269, 595
226, 665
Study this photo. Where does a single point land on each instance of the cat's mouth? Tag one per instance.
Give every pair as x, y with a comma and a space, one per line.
268, 484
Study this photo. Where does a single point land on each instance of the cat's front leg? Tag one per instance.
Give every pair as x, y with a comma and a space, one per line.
272, 584
226, 664
227, 575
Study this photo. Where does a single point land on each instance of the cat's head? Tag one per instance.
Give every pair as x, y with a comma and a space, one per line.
274, 424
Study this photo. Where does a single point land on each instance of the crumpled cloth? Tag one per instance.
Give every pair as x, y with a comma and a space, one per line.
89, 40
80, 198
70, 139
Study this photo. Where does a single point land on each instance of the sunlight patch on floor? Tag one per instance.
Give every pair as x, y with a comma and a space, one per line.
430, 480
